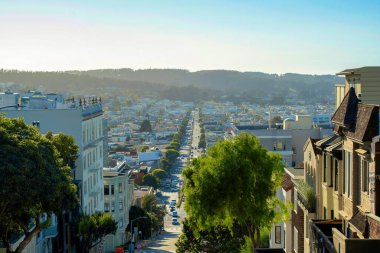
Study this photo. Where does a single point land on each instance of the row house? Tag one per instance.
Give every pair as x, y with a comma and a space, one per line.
341, 173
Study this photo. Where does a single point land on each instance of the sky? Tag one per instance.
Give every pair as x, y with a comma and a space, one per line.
274, 36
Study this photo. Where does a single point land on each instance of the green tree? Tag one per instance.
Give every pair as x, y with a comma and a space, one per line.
34, 180
65, 144
235, 182
151, 180
143, 225
155, 211
159, 173
172, 155
95, 227
144, 148
165, 163
145, 126
217, 239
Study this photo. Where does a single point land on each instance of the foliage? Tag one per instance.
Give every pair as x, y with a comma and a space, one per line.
143, 225
159, 173
215, 239
235, 182
34, 180
307, 193
95, 227
145, 126
151, 180
172, 155
155, 211
144, 148
65, 144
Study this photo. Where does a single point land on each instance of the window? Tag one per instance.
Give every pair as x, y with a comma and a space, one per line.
331, 171
295, 199
120, 223
113, 207
277, 234
332, 214
324, 167
106, 189
347, 172
120, 187
324, 213
365, 176
295, 240
112, 189
336, 175
106, 207
120, 205
85, 187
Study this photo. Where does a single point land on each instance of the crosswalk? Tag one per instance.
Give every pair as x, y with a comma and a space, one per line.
173, 229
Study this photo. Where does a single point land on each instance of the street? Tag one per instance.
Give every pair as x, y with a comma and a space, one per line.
165, 242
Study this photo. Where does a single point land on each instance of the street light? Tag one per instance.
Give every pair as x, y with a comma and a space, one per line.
144, 217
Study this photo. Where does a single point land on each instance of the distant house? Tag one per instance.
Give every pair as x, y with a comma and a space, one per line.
152, 159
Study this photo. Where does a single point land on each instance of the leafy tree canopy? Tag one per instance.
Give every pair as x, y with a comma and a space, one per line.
151, 180
159, 173
217, 239
94, 227
34, 179
235, 182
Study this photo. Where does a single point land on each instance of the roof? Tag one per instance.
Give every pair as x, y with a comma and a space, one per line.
328, 141
367, 123
361, 70
149, 156
313, 145
359, 221
287, 183
346, 113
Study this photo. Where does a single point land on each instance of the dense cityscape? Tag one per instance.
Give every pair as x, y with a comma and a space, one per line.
189, 127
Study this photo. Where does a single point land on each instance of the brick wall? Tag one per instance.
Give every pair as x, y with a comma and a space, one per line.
373, 228
298, 223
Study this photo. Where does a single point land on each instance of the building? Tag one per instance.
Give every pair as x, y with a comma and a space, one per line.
8, 98
118, 199
84, 121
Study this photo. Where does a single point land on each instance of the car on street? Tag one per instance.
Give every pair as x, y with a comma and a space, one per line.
175, 221
175, 214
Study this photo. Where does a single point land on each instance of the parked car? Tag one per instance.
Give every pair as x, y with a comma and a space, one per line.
175, 214
175, 221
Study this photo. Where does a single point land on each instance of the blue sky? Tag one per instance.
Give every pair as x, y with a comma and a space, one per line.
317, 37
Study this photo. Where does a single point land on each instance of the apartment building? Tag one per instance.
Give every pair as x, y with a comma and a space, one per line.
118, 199
83, 119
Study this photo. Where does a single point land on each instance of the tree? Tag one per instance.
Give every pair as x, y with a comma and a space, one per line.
150, 180
95, 227
34, 181
172, 154
159, 173
217, 239
235, 182
144, 148
155, 211
145, 126
143, 225
165, 163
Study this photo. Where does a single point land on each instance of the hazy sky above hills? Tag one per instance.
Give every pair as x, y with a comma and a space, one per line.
321, 36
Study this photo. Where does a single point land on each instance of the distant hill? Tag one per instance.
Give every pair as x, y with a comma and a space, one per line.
204, 83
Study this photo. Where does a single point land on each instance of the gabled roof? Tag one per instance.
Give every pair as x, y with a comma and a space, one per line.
345, 115
149, 156
313, 144
287, 183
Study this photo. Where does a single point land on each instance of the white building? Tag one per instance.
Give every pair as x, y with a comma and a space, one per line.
118, 199
85, 123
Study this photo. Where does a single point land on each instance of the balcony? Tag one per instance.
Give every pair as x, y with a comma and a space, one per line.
306, 195
50, 232
321, 235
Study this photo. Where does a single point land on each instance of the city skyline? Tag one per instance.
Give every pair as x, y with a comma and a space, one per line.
317, 37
